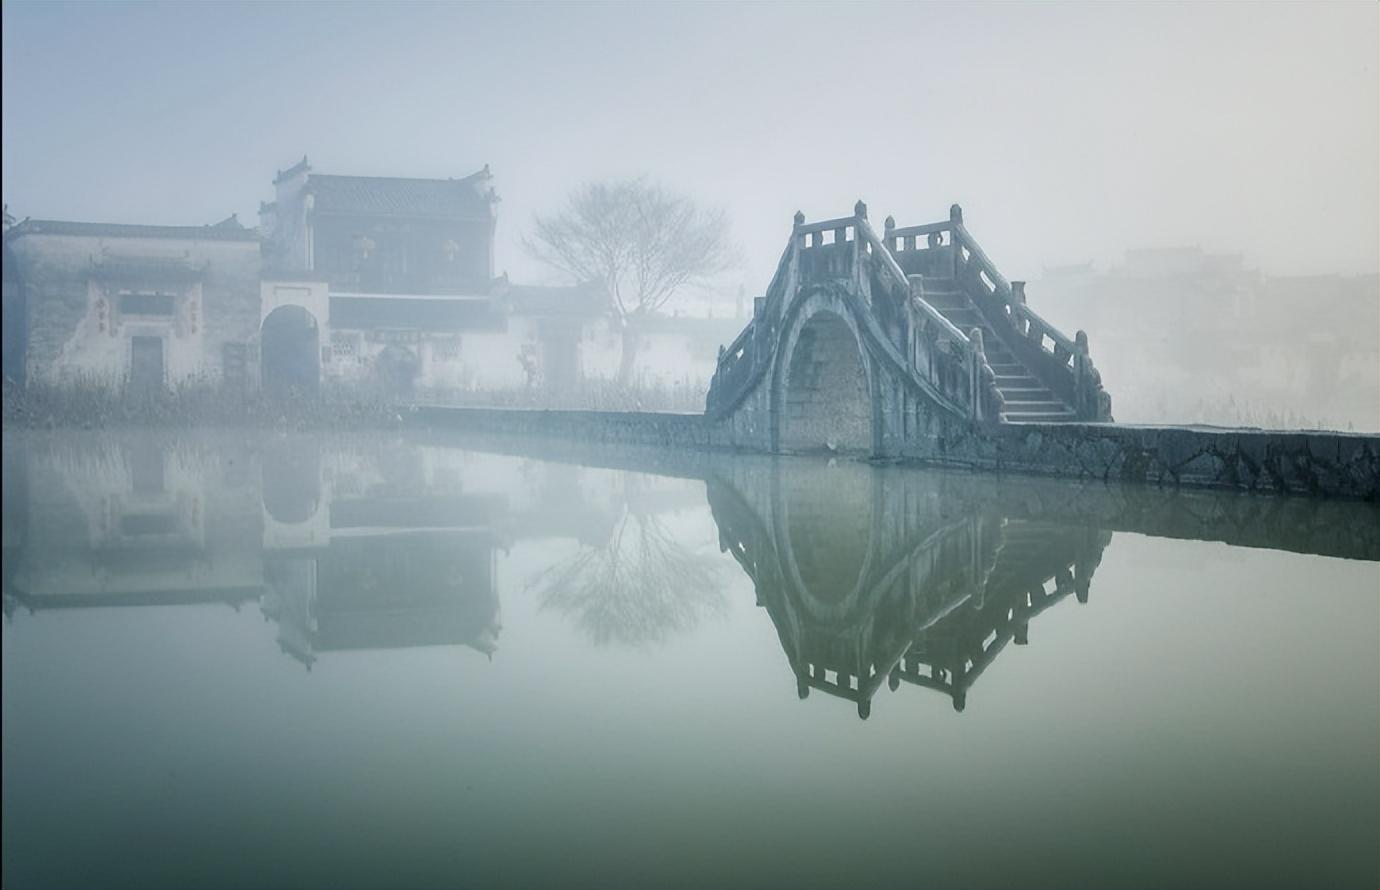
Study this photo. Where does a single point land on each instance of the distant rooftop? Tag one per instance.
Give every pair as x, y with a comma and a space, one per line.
466, 198
1161, 262
223, 231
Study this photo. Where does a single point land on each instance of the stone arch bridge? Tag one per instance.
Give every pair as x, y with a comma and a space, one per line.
911, 346
882, 346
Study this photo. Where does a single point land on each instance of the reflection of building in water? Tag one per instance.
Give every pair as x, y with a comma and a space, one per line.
127, 526
375, 553
371, 546
872, 579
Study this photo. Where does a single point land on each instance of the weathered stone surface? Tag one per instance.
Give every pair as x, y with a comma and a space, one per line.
1299, 463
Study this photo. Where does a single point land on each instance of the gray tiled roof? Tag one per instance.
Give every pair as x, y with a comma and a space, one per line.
467, 198
219, 232
147, 269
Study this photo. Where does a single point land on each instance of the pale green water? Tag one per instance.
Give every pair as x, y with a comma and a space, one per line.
251, 661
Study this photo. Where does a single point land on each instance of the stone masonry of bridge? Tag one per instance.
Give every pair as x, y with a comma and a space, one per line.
911, 346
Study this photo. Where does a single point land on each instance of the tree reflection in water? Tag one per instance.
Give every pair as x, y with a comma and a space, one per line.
642, 586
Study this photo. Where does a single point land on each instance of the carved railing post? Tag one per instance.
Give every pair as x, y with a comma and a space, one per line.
917, 286
1018, 300
979, 359
1084, 402
859, 253
917, 292
988, 404
1096, 403
956, 221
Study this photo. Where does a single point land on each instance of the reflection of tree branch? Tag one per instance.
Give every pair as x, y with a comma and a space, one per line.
639, 588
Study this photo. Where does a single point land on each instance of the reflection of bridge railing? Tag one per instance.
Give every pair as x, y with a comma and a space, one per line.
940, 590
950, 655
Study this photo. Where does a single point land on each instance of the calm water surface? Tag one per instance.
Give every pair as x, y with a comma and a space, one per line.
245, 660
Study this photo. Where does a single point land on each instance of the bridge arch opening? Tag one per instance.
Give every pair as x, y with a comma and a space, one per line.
826, 404
289, 350
829, 519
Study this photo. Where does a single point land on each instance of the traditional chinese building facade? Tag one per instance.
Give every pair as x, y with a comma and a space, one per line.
135, 304
350, 281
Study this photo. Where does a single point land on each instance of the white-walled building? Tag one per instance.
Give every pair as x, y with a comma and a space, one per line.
350, 281
135, 304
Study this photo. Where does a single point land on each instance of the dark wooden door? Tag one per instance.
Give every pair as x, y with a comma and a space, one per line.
146, 363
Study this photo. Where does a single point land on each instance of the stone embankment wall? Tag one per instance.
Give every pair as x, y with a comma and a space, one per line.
1325, 464
1313, 463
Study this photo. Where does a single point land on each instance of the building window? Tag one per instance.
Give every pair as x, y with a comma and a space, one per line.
344, 346
446, 350
147, 304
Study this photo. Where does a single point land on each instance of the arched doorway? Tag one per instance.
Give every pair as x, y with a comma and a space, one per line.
826, 404
290, 354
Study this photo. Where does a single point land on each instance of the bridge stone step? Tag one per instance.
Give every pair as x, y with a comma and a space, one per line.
1050, 406
1064, 416
1033, 394
1028, 400
947, 301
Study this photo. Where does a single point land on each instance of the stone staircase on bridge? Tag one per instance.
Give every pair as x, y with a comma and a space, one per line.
1025, 397
941, 328
1042, 376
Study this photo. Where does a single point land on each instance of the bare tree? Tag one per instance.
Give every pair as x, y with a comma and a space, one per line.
641, 242
640, 587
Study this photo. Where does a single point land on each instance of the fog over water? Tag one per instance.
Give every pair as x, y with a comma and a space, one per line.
1068, 132
691, 445
243, 660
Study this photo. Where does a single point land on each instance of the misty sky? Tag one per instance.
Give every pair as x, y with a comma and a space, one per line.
1068, 132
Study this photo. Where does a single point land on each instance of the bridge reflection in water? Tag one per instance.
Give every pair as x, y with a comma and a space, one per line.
874, 578
871, 576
